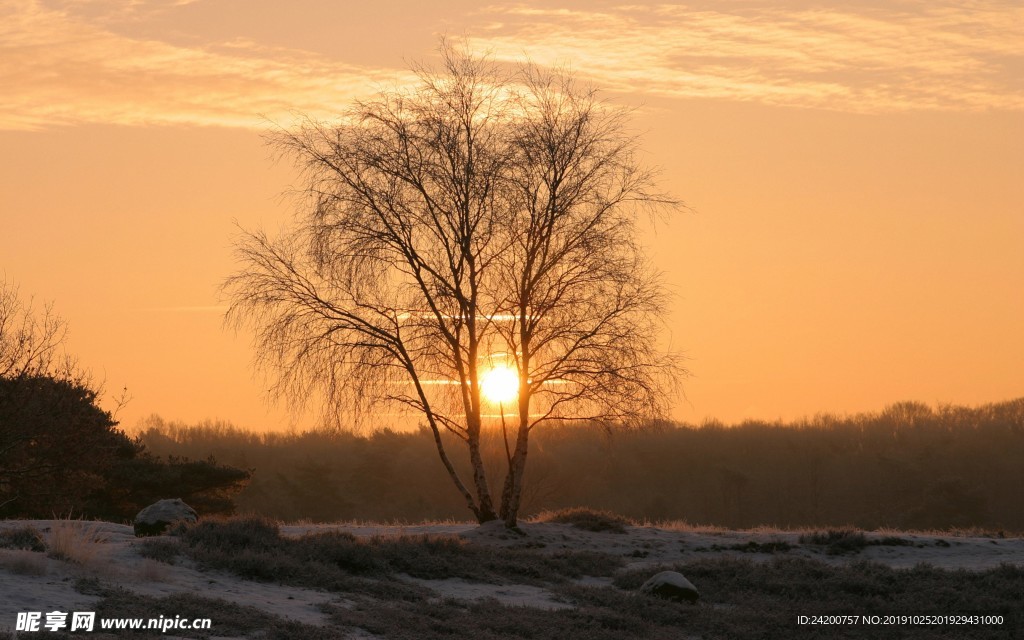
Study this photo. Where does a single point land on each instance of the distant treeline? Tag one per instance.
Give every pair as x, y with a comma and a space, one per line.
910, 467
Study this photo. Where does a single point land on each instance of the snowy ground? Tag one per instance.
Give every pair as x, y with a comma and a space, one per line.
31, 581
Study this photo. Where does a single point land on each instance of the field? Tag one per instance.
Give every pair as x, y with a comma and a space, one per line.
567, 575
912, 511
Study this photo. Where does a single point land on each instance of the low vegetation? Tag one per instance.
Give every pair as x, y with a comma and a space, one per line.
25, 537
837, 542
739, 598
166, 550
770, 547
586, 519
253, 548
848, 541
745, 599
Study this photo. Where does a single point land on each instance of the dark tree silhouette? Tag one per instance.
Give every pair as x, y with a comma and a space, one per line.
60, 452
56, 445
481, 222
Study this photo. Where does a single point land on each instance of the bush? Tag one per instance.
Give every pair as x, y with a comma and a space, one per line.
57, 445
340, 549
61, 453
772, 546
587, 519
139, 480
837, 542
160, 549
234, 534
26, 537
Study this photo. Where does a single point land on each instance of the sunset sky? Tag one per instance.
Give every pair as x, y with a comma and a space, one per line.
854, 178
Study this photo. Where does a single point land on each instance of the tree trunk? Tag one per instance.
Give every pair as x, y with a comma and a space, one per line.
436, 431
485, 506
512, 492
453, 474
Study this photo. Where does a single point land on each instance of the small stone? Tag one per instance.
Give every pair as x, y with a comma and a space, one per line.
671, 585
157, 517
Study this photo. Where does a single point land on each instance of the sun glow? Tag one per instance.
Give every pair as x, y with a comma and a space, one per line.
500, 384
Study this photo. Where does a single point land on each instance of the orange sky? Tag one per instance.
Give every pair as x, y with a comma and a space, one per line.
855, 176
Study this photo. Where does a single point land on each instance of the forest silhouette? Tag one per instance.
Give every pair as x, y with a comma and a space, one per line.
909, 466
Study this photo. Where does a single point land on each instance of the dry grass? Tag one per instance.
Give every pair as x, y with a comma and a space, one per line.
684, 526
75, 541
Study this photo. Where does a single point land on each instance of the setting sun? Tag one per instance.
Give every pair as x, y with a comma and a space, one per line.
500, 384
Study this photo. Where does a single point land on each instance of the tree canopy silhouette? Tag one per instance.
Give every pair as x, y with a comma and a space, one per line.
461, 245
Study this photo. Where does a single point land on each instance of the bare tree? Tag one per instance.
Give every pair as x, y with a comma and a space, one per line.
479, 223
583, 305
31, 342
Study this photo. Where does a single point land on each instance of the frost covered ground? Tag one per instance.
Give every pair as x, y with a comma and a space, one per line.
95, 559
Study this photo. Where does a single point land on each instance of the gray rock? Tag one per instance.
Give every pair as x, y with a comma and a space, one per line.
671, 586
157, 517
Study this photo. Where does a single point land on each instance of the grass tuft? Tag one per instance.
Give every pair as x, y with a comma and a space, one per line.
75, 541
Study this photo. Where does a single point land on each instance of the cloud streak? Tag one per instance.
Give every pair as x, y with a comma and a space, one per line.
911, 56
72, 62
58, 68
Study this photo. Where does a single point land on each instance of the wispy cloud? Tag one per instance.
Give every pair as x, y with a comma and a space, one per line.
58, 66
913, 55
76, 61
